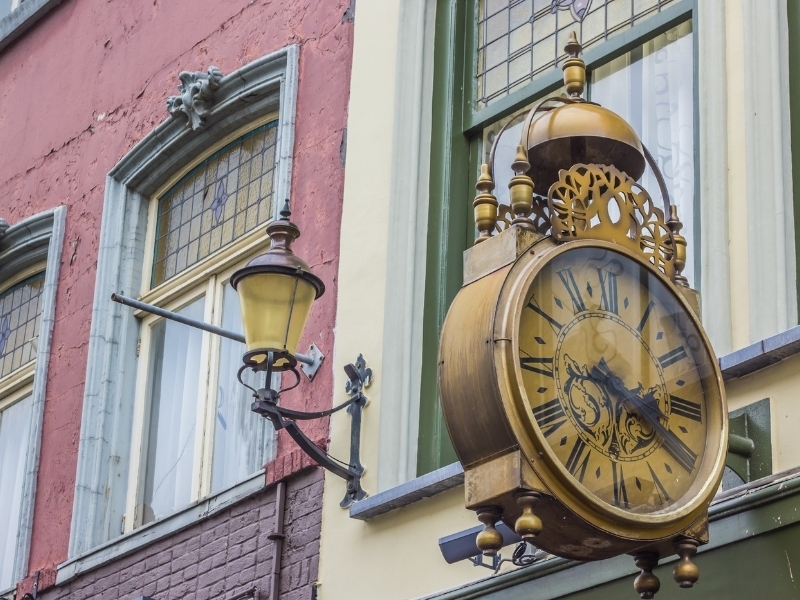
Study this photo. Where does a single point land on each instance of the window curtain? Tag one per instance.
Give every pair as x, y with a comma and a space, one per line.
175, 374
14, 431
243, 440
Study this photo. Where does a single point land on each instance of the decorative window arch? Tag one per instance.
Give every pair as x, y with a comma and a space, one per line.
210, 109
30, 258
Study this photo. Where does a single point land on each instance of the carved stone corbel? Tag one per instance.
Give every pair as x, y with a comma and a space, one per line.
196, 97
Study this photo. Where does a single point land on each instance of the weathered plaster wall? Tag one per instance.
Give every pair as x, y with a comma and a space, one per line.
85, 85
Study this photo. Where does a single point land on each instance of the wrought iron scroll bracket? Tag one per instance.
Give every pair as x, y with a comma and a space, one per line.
359, 377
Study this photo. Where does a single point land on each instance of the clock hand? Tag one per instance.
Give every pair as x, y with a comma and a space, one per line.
648, 408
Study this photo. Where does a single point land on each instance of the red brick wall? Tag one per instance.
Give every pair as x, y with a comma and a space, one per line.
78, 91
220, 557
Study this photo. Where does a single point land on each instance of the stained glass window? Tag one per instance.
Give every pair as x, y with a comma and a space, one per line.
20, 307
520, 39
227, 195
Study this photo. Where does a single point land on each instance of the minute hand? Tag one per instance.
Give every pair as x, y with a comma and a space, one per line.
650, 413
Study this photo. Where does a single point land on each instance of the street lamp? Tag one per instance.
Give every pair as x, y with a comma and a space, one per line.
276, 291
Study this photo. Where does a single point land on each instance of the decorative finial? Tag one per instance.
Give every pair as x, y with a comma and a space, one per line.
674, 224
521, 191
574, 68
489, 541
528, 525
646, 584
685, 572
285, 212
282, 231
485, 205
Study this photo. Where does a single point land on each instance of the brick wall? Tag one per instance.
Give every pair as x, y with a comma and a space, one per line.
219, 557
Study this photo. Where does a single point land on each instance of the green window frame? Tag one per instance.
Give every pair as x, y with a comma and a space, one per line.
455, 157
793, 14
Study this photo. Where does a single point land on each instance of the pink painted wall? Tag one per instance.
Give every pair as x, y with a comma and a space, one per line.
83, 87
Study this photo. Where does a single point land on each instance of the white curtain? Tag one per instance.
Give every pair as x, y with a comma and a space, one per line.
652, 87
243, 440
175, 374
14, 430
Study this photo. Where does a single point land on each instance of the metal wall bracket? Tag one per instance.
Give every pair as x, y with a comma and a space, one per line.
266, 399
316, 355
266, 405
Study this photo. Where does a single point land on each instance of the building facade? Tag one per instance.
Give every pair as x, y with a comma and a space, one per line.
710, 88
165, 138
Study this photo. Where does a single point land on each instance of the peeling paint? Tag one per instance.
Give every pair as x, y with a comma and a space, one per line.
101, 98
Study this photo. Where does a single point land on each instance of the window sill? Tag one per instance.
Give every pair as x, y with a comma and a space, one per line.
152, 532
13, 25
734, 365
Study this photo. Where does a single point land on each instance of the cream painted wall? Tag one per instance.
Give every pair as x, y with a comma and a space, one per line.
396, 556
780, 383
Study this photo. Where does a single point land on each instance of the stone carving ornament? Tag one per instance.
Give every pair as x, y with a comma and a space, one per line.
196, 96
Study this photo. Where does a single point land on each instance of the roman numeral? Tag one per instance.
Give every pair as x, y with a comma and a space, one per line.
620, 493
645, 316
662, 493
686, 408
550, 416
671, 357
575, 465
543, 366
574, 293
608, 287
544, 315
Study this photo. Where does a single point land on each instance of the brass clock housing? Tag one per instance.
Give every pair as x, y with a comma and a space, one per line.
505, 455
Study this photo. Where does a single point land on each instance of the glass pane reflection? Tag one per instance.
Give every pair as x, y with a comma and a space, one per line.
175, 373
243, 440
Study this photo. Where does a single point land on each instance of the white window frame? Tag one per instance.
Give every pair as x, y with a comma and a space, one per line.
212, 290
206, 278
27, 248
244, 98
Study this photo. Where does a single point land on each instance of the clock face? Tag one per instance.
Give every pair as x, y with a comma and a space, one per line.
616, 375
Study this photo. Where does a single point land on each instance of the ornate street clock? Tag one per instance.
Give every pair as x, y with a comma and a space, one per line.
582, 396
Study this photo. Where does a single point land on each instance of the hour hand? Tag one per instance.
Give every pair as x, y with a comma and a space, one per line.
647, 407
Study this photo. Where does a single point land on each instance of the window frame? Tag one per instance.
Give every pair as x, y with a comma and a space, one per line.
206, 278
455, 158
252, 92
213, 288
21, 18
27, 248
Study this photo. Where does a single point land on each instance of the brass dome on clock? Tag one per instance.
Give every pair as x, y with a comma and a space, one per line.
580, 132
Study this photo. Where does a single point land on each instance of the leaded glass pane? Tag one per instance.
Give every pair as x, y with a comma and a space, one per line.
520, 39
652, 87
20, 307
219, 200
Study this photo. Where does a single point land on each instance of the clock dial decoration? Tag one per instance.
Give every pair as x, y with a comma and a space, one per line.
617, 386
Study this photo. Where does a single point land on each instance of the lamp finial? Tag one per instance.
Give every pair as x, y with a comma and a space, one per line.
285, 212
574, 68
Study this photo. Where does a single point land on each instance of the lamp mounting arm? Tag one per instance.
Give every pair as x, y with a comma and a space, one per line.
266, 405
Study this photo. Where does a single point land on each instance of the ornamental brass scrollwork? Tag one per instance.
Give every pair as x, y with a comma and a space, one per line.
539, 216
601, 202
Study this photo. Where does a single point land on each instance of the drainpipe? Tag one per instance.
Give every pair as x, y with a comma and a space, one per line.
277, 536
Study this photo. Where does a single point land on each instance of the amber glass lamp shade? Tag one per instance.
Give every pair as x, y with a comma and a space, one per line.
276, 291
275, 308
